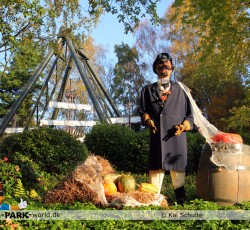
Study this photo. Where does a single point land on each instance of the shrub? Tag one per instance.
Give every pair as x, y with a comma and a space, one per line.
137, 159
195, 143
10, 174
53, 151
126, 149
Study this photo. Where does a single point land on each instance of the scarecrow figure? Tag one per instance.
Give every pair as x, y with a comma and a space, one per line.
166, 110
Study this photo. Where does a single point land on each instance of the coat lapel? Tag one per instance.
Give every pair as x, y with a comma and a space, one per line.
155, 92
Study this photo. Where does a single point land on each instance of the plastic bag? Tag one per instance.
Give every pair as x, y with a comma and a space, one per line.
223, 145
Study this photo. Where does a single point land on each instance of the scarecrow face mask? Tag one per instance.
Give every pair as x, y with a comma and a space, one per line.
164, 68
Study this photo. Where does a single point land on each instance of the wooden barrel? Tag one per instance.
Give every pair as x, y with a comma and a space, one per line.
222, 185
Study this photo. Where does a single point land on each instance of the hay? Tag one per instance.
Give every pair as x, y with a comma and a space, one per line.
69, 191
107, 168
92, 169
84, 184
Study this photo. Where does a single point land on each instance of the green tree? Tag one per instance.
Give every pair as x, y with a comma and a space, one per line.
26, 59
128, 79
240, 118
44, 18
211, 43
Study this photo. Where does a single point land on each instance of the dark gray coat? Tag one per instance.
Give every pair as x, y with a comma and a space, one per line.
167, 151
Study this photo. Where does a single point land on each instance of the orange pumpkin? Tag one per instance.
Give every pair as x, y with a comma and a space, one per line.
109, 187
228, 138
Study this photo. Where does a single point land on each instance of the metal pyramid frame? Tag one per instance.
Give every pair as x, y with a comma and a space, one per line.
102, 102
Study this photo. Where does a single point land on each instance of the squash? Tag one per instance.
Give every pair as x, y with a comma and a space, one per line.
111, 177
227, 138
126, 183
148, 187
109, 187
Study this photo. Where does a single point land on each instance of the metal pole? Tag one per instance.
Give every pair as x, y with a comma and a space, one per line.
50, 97
98, 80
40, 95
16, 105
63, 85
100, 96
37, 116
85, 80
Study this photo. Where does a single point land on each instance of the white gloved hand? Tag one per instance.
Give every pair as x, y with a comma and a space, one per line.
22, 204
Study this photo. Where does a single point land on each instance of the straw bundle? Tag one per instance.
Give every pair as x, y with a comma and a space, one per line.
136, 198
69, 191
84, 184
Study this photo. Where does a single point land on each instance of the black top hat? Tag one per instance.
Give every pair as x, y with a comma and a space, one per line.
162, 56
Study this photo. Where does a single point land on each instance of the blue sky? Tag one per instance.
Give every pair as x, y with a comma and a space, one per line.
110, 32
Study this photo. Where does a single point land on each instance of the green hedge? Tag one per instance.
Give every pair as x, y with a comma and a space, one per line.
195, 143
125, 149
53, 151
128, 150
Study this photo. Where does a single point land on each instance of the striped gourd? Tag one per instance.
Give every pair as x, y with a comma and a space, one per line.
126, 183
147, 187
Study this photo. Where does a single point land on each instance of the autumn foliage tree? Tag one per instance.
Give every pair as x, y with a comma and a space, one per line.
211, 43
150, 41
128, 79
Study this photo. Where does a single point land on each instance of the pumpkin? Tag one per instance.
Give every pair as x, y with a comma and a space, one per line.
228, 138
148, 187
126, 183
109, 187
111, 177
